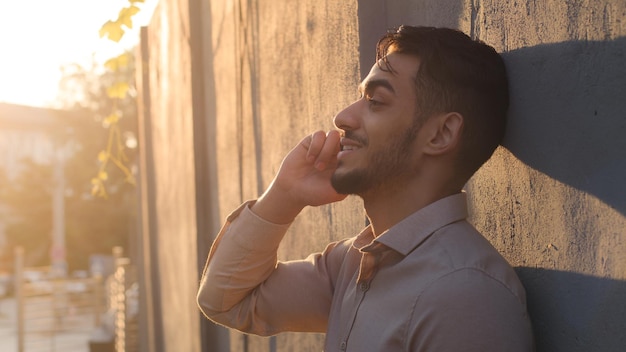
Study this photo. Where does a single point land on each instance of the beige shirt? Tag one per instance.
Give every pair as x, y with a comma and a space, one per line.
430, 283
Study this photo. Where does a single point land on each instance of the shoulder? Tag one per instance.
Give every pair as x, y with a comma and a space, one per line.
471, 307
473, 297
468, 286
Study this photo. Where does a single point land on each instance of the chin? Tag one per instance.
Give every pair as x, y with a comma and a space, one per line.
347, 182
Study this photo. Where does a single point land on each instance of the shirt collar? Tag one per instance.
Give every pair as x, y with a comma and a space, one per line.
409, 233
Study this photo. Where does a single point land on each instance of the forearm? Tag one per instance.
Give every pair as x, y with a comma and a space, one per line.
276, 206
242, 257
233, 290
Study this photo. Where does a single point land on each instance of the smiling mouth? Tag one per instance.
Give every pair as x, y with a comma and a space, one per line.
348, 144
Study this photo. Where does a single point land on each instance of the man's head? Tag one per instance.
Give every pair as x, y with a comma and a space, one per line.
456, 74
432, 92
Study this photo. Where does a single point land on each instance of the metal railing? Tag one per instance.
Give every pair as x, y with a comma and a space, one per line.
55, 314
62, 314
123, 303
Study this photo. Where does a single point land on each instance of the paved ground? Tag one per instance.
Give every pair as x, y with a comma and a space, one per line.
70, 332
8, 334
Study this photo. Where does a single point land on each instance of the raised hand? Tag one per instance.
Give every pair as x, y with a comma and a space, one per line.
303, 179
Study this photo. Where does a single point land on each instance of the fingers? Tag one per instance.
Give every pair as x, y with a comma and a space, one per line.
316, 144
323, 148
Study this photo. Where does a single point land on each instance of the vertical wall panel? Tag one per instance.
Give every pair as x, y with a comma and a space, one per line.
175, 260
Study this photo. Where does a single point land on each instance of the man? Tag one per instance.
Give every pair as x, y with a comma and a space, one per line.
419, 277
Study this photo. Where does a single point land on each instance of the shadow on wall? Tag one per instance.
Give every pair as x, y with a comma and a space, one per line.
589, 316
568, 118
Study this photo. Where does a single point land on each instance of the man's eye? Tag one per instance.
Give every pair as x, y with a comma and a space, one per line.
372, 101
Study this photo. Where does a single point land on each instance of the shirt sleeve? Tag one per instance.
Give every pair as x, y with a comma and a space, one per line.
245, 287
467, 310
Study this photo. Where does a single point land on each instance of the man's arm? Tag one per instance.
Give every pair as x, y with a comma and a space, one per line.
243, 286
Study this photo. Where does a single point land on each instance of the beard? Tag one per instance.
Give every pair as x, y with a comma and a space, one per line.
384, 166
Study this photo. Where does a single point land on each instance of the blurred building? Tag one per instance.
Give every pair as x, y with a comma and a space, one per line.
27, 132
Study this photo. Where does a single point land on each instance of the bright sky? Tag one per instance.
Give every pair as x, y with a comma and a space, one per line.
37, 37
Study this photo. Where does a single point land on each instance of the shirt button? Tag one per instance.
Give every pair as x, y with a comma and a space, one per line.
363, 286
343, 345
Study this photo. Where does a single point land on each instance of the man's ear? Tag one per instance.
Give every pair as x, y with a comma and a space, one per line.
445, 133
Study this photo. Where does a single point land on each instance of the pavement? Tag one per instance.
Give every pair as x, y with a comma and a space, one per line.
70, 331
8, 325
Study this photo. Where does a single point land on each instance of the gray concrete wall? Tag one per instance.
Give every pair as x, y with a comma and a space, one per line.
551, 200
169, 267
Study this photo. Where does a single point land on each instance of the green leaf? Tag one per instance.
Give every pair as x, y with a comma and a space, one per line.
112, 119
103, 156
126, 14
118, 90
112, 30
102, 175
118, 62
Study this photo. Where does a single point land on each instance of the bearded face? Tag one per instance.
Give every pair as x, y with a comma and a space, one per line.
382, 166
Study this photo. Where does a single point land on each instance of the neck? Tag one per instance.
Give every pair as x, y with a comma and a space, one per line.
387, 206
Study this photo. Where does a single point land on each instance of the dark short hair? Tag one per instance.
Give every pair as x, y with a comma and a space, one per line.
456, 74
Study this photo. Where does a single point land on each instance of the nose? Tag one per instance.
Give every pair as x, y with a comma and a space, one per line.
347, 119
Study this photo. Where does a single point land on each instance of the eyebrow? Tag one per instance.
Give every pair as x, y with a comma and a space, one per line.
371, 85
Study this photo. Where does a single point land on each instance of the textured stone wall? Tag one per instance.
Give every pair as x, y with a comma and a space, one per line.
169, 267
552, 199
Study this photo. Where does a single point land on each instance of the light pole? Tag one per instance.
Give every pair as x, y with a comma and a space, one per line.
58, 251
